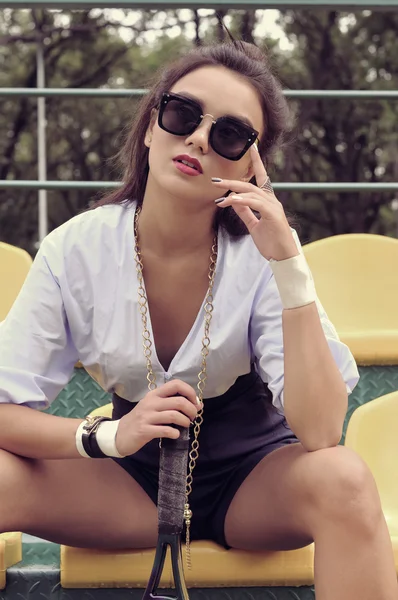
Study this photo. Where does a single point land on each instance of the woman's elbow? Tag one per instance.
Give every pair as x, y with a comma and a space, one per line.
321, 440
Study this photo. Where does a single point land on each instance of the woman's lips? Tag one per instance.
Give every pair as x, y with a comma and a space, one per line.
185, 169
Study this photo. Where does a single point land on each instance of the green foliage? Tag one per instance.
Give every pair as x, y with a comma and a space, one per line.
334, 140
341, 140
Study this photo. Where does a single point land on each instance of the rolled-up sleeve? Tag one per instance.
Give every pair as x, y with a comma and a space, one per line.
37, 354
266, 338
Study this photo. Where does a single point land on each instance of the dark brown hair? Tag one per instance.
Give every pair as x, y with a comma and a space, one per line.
241, 57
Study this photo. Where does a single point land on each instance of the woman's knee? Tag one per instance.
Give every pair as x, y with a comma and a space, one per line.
15, 488
343, 488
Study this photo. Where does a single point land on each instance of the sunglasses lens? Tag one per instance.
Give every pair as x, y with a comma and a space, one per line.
229, 138
180, 117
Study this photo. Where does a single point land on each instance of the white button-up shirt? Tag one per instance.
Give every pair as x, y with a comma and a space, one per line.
80, 301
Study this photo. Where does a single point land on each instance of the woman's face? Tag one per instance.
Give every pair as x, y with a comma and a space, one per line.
220, 92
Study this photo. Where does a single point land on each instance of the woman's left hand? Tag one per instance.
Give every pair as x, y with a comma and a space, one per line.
271, 233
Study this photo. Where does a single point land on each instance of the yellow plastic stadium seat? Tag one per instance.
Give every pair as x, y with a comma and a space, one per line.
2, 564
212, 565
10, 553
103, 411
356, 277
372, 433
14, 266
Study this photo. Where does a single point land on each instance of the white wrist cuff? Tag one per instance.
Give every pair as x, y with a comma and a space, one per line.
79, 443
106, 438
294, 280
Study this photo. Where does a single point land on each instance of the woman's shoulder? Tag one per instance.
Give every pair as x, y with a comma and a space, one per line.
103, 225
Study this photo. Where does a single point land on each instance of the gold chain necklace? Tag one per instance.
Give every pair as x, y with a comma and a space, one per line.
202, 376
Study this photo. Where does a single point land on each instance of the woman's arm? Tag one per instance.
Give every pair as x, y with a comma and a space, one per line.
315, 394
33, 434
37, 357
307, 368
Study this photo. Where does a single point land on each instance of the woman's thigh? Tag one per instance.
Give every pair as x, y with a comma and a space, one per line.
91, 503
291, 492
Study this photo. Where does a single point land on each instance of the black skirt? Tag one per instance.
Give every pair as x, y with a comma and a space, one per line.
240, 428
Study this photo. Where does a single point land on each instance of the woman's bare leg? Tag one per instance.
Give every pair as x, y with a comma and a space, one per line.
293, 497
89, 503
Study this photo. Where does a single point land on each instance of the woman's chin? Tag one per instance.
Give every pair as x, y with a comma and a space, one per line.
184, 188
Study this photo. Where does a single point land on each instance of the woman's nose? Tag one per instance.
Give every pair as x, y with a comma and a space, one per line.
200, 137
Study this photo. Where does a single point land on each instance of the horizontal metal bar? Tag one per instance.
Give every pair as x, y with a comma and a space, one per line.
128, 93
300, 187
336, 94
75, 92
57, 185
159, 4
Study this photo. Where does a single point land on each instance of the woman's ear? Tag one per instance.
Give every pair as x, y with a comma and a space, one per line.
149, 131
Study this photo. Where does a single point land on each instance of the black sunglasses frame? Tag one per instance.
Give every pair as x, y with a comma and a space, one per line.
252, 134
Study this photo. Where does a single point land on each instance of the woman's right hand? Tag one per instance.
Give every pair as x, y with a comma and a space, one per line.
152, 416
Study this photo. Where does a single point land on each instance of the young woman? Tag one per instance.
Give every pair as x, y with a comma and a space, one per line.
166, 293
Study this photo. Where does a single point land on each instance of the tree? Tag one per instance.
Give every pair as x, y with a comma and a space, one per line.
334, 140
342, 140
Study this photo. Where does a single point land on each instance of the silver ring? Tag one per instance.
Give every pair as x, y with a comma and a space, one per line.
267, 186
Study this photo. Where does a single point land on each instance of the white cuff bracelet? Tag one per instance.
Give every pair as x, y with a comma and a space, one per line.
106, 438
294, 280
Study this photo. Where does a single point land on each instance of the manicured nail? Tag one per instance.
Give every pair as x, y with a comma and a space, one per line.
216, 179
219, 200
236, 197
255, 146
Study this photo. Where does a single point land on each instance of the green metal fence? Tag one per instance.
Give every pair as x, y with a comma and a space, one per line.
159, 4
138, 92
41, 92
130, 93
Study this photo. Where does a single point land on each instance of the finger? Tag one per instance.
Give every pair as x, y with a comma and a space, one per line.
156, 431
235, 185
176, 386
247, 216
257, 203
166, 417
178, 403
260, 172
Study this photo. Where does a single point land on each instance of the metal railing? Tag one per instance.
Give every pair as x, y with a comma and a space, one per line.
161, 4
32, 184
130, 93
41, 93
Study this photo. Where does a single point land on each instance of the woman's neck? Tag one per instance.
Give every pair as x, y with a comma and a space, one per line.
174, 227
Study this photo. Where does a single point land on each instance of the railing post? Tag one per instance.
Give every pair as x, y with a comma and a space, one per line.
41, 142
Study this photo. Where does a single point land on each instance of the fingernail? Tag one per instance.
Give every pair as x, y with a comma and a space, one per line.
235, 197
255, 146
219, 200
216, 179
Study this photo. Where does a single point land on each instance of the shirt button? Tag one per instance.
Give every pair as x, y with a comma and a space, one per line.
167, 376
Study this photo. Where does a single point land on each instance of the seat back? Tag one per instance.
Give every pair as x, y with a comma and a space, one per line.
372, 433
102, 411
356, 277
14, 266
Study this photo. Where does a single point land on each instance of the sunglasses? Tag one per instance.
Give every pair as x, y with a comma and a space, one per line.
229, 137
